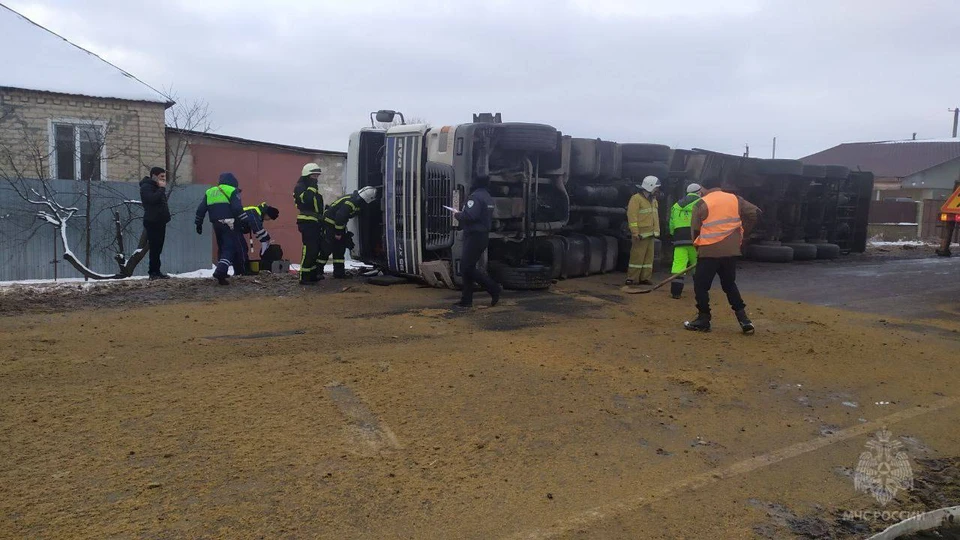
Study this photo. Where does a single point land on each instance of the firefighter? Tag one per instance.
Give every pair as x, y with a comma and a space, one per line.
476, 219
644, 220
252, 224
336, 240
720, 223
684, 252
222, 203
309, 203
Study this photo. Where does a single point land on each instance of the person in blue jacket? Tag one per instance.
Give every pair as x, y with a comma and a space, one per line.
222, 204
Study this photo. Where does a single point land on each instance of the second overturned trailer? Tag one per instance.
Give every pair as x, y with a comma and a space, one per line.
560, 201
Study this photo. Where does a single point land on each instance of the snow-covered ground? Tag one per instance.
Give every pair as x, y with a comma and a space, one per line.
202, 273
914, 243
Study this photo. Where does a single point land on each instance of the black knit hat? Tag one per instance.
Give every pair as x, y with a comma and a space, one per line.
271, 212
156, 171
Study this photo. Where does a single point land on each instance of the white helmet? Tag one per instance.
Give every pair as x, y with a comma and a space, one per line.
693, 188
650, 183
368, 194
309, 169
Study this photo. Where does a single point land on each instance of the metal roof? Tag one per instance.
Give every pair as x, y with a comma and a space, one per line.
239, 140
47, 62
889, 159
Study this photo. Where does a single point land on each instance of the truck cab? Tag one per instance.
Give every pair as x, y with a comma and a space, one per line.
420, 171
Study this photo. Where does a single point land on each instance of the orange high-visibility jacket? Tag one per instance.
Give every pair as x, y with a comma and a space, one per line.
723, 218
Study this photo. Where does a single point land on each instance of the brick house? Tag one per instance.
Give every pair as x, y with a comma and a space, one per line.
67, 114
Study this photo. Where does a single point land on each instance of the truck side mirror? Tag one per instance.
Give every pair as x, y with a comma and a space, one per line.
385, 117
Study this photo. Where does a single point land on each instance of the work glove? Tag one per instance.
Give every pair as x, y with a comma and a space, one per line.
199, 228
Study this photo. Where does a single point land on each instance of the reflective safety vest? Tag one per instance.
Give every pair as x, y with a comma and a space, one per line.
723, 218
680, 218
220, 194
643, 216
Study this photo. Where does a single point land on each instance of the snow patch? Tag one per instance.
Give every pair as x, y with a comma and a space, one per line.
911, 141
72, 282
914, 243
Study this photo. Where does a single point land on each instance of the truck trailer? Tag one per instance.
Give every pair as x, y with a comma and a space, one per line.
560, 201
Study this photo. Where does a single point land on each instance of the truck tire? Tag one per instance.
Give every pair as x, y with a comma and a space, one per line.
529, 277
584, 158
598, 247
576, 260
610, 160
837, 172
802, 251
552, 251
758, 252
814, 171
827, 251
637, 171
633, 153
611, 253
596, 223
527, 137
780, 166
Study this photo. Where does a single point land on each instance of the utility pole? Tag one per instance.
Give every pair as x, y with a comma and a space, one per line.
746, 152
774, 148
956, 117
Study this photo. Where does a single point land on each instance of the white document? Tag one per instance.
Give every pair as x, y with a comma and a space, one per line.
450, 209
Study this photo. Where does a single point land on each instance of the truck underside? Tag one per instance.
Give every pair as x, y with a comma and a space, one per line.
560, 201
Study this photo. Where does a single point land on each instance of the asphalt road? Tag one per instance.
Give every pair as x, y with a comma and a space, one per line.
907, 288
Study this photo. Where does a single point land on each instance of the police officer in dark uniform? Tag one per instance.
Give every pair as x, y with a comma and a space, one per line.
476, 218
309, 203
336, 240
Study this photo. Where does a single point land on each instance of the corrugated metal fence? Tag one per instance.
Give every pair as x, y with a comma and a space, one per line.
28, 246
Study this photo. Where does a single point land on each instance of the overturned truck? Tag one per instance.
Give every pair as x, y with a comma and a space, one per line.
560, 201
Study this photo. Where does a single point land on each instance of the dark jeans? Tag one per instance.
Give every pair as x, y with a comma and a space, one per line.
474, 244
707, 269
156, 234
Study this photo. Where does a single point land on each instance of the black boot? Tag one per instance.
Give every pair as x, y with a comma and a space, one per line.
495, 296
745, 324
676, 288
222, 280
700, 324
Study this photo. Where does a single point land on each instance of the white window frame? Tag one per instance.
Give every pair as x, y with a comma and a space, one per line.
76, 123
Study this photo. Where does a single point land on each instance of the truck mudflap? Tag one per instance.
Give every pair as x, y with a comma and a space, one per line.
403, 202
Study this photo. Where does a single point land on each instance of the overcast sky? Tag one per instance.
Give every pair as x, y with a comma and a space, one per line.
697, 73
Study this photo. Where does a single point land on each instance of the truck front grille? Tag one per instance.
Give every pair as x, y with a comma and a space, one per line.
439, 193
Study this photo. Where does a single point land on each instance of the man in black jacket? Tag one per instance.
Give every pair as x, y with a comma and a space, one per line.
476, 219
156, 215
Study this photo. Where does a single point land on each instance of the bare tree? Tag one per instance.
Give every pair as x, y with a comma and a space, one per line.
185, 120
26, 155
